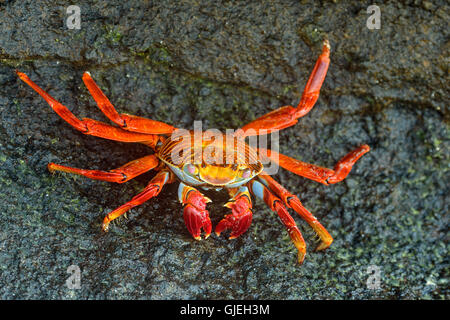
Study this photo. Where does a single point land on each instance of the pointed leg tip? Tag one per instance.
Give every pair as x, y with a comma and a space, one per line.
86, 76
322, 246
326, 45
21, 75
52, 167
301, 258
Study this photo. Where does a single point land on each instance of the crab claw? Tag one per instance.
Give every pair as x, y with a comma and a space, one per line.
240, 218
195, 214
195, 219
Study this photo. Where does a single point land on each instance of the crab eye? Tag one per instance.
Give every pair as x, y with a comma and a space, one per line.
191, 169
246, 174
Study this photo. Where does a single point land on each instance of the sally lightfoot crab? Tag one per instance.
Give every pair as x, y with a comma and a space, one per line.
231, 163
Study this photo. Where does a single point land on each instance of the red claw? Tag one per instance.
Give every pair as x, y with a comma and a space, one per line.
195, 214
240, 219
195, 219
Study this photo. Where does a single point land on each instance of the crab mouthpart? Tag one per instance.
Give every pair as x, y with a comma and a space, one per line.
217, 175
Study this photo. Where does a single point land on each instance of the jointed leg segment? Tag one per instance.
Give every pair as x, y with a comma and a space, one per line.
120, 175
287, 116
90, 126
150, 191
315, 81
293, 202
316, 173
125, 121
261, 191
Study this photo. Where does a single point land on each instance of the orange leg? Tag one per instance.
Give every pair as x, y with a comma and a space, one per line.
150, 191
127, 122
241, 214
120, 175
316, 173
90, 126
287, 116
293, 202
261, 191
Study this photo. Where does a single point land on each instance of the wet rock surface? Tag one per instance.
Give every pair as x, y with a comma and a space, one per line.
226, 64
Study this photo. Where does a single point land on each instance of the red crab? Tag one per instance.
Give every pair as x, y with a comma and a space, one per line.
242, 176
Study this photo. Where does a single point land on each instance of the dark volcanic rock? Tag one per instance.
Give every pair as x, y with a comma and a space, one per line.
226, 64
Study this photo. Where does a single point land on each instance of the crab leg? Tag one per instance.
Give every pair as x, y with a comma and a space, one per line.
287, 116
293, 202
262, 192
195, 214
150, 191
120, 175
316, 173
241, 217
90, 126
125, 121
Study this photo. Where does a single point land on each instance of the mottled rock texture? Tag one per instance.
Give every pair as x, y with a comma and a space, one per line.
226, 63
